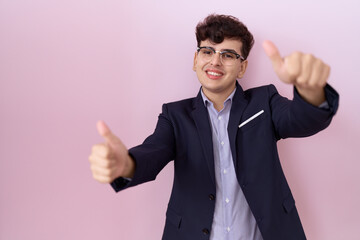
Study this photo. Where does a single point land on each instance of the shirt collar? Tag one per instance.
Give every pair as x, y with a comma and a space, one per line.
206, 100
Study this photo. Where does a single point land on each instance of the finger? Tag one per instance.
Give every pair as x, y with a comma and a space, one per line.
101, 162
294, 65
102, 179
325, 75
308, 68
101, 150
105, 174
315, 79
101, 171
273, 53
106, 133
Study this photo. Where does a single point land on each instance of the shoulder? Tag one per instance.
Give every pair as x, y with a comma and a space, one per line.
260, 89
265, 91
181, 103
181, 107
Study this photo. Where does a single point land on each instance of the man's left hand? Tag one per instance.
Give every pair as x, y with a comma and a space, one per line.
306, 72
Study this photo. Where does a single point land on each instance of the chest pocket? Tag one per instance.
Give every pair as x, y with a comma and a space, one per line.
252, 121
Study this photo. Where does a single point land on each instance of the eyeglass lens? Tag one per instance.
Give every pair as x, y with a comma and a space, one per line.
227, 58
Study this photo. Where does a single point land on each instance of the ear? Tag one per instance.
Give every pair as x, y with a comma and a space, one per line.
195, 62
243, 69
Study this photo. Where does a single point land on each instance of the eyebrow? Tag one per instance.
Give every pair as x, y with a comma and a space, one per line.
229, 50
222, 50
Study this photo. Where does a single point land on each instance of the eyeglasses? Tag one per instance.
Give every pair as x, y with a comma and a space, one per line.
227, 57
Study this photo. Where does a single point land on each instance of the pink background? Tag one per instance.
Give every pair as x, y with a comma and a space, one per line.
66, 64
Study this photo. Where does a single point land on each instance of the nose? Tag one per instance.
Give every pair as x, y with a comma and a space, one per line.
216, 59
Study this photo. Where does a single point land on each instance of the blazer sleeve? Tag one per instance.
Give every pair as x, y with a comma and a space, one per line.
298, 118
152, 155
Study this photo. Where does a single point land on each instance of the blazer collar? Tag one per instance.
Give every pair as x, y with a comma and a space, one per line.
202, 122
238, 98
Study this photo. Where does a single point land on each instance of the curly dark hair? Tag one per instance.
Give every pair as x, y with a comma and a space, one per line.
218, 27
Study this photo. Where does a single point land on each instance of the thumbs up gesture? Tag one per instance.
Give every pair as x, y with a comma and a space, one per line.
110, 160
306, 72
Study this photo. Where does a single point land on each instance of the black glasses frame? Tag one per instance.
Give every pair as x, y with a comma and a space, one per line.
222, 52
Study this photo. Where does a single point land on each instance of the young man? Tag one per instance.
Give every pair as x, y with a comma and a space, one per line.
228, 181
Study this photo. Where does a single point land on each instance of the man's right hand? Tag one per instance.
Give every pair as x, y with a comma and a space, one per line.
110, 160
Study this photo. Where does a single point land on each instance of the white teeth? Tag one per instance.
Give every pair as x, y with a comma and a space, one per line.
214, 74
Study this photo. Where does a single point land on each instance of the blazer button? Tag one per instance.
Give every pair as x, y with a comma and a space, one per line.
205, 231
212, 197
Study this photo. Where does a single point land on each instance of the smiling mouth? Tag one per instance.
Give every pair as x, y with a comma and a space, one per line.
214, 74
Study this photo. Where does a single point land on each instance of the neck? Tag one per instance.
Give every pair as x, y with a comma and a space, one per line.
218, 99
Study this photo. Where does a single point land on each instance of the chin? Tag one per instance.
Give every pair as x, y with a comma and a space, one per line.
213, 89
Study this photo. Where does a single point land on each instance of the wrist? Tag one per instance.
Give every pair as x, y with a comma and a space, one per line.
129, 167
314, 96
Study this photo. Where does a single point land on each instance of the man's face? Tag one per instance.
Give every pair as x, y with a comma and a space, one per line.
217, 79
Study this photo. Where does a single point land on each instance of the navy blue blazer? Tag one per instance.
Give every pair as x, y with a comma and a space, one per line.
183, 134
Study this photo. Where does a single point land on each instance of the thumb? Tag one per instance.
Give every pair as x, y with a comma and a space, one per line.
277, 61
106, 133
273, 53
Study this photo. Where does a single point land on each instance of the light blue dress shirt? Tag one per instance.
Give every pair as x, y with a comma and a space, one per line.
233, 219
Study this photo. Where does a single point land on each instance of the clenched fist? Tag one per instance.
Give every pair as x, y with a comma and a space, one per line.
110, 160
306, 72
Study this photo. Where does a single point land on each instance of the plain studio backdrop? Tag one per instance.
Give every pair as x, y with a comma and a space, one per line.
66, 64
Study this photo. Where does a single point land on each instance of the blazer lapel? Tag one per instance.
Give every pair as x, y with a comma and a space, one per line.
238, 106
202, 122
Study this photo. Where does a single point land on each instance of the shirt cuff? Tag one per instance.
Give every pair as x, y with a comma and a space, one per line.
324, 105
